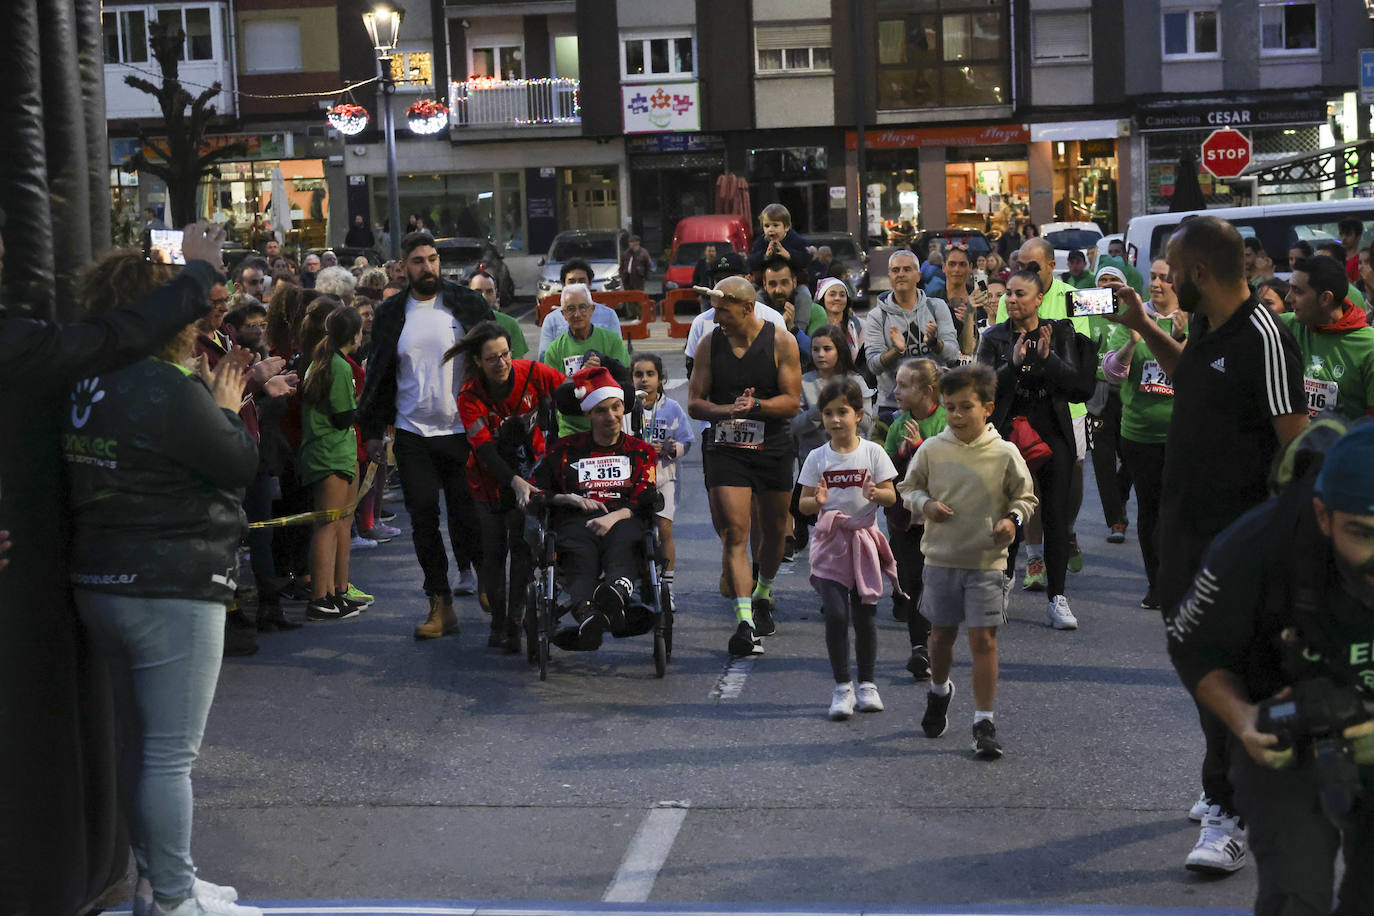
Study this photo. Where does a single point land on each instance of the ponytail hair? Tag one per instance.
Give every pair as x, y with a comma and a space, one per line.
341, 327
1030, 272
470, 347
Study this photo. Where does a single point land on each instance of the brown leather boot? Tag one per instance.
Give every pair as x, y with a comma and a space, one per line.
441, 620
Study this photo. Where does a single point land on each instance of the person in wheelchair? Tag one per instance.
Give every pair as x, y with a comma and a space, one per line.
601, 492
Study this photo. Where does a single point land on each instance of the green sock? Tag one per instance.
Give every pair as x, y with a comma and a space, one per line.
744, 611
763, 588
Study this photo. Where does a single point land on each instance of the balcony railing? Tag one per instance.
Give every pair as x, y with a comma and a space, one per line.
485, 102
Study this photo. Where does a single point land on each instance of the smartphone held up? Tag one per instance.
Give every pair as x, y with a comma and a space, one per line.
1095, 301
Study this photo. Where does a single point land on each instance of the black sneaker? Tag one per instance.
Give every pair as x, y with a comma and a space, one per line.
789, 549
589, 632
763, 617
329, 608
1150, 602
745, 642
612, 599
347, 604
985, 745
295, 590
919, 663
936, 720
386, 515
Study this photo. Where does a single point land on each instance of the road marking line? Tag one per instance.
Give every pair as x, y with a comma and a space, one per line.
731, 682
648, 851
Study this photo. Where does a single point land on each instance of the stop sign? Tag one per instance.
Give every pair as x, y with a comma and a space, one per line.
1226, 153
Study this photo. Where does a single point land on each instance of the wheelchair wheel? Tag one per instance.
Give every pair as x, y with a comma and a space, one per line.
660, 655
665, 620
545, 624
531, 623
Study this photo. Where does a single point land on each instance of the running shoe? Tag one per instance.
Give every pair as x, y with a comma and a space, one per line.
866, 698
1075, 555
789, 549
381, 532
985, 744
143, 894
936, 720
1116, 534
386, 515
467, 583
763, 617
295, 590
1150, 602
1220, 847
612, 599
356, 594
327, 609
361, 543
350, 604
919, 663
842, 702
1037, 579
1059, 616
745, 642
1200, 808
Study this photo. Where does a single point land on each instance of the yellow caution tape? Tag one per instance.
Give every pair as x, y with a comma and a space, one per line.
321, 515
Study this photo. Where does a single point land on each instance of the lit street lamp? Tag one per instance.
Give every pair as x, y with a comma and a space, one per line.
383, 26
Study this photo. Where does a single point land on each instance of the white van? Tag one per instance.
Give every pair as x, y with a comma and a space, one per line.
1278, 226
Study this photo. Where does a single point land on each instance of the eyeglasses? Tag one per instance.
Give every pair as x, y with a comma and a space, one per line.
497, 359
572, 309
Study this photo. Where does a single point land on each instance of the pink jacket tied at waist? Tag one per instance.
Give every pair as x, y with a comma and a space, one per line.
853, 552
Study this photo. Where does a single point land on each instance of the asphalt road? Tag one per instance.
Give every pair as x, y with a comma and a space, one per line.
346, 761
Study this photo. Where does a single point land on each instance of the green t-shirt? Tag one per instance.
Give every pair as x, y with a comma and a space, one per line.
1147, 394
1053, 307
819, 318
518, 346
1085, 280
932, 425
326, 449
1352, 292
1337, 369
566, 354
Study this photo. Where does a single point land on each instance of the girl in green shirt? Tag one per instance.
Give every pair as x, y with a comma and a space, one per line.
329, 461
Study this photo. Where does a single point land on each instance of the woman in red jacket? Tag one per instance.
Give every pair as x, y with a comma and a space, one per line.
499, 406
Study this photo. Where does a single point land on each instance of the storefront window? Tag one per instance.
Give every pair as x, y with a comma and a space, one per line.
941, 54
477, 205
986, 193
1085, 182
241, 200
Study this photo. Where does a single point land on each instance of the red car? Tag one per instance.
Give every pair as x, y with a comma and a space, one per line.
693, 234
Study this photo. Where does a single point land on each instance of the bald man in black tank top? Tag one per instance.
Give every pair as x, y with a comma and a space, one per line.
746, 382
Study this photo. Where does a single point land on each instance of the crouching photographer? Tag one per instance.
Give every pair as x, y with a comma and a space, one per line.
1276, 636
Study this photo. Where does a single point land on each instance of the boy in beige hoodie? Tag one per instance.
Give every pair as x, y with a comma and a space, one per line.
974, 490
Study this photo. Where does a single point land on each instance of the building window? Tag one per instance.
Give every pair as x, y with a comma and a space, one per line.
1287, 28
126, 36
194, 22
412, 69
944, 56
650, 57
272, 46
497, 61
1062, 37
791, 48
1191, 33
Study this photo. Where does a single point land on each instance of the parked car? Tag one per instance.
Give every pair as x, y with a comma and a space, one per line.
1066, 237
600, 248
941, 239
844, 249
460, 258
693, 234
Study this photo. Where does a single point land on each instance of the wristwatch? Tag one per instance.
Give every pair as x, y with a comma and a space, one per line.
1015, 518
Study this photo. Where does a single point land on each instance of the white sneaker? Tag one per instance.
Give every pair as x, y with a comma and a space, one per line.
143, 894
842, 702
1200, 808
867, 699
381, 532
1220, 847
1059, 616
207, 906
467, 583
361, 543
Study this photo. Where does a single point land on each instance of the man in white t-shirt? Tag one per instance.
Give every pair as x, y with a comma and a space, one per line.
409, 385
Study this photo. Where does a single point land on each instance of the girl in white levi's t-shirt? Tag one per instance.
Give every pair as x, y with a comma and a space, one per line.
844, 482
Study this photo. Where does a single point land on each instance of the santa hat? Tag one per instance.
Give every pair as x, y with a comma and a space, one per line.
592, 386
826, 283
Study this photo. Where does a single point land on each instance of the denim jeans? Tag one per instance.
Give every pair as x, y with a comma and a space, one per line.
164, 656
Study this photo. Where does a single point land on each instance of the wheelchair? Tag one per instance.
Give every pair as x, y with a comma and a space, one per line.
652, 611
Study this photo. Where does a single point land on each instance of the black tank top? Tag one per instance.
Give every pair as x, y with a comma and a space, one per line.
731, 375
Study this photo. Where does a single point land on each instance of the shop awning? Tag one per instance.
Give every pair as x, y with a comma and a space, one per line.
1110, 129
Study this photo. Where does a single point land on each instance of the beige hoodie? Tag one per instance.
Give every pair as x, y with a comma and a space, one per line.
980, 482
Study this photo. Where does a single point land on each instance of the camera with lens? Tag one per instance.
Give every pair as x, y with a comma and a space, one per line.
1312, 719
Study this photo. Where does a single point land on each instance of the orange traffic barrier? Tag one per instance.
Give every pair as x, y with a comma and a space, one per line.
634, 307
677, 327
546, 305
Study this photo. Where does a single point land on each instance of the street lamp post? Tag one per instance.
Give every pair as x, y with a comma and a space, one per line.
383, 26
